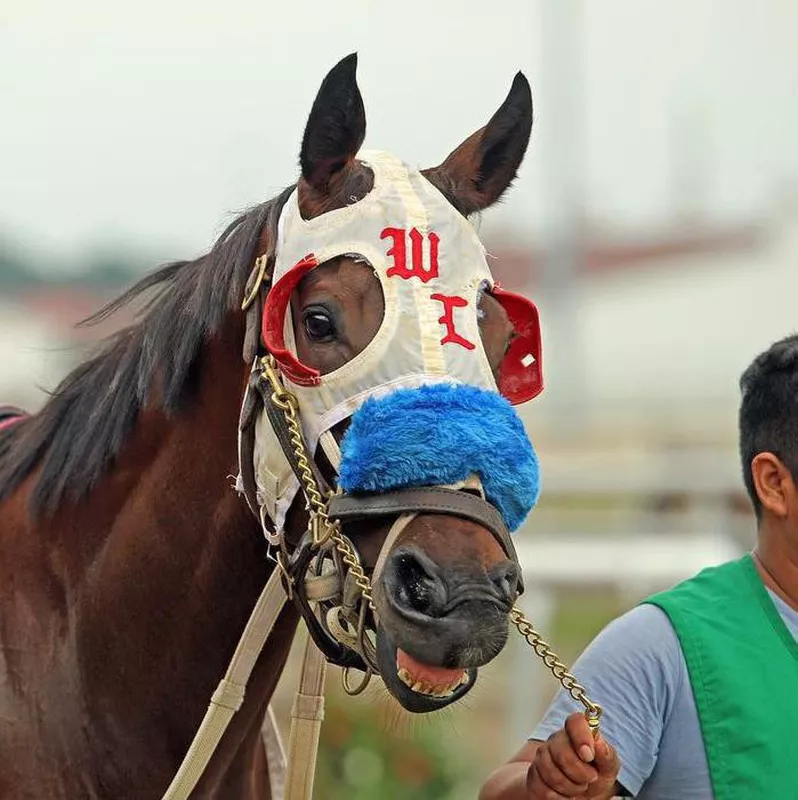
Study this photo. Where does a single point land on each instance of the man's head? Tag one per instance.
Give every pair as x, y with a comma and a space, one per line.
769, 431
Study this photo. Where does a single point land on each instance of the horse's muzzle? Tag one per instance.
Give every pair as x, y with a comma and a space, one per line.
437, 626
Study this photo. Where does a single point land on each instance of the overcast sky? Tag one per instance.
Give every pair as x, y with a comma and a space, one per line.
147, 124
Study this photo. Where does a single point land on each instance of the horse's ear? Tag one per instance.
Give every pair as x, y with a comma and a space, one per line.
479, 171
336, 126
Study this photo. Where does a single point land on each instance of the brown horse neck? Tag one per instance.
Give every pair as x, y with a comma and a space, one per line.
157, 570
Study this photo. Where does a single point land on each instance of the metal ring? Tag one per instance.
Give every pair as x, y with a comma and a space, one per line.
361, 686
260, 263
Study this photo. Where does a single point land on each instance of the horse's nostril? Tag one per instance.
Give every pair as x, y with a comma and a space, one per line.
412, 581
505, 579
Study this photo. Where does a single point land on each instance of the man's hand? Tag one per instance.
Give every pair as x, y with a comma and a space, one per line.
573, 764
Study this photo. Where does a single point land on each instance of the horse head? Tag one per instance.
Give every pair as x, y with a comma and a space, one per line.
404, 359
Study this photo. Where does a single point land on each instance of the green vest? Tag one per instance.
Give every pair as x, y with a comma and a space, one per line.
743, 666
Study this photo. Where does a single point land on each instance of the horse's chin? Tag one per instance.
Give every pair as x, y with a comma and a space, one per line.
413, 692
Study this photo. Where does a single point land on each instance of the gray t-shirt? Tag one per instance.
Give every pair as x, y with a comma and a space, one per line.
636, 671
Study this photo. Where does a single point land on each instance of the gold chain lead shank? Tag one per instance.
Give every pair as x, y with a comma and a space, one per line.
568, 681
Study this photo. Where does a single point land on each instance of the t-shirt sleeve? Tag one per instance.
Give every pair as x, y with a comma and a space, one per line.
633, 669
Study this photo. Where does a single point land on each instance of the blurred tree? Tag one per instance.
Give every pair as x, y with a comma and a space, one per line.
15, 268
108, 268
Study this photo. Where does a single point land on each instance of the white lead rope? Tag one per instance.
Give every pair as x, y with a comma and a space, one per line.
229, 694
307, 715
308, 709
291, 782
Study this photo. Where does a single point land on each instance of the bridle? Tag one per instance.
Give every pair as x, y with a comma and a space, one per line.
323, 572
324, 569
323, 575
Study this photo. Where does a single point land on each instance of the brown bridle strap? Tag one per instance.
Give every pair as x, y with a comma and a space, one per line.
425, 500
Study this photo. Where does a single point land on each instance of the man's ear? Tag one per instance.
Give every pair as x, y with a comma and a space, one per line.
774, 484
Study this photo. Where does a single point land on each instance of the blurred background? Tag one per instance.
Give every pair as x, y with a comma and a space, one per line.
655, 223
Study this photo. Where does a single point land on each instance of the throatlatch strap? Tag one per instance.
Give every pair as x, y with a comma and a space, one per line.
229, 694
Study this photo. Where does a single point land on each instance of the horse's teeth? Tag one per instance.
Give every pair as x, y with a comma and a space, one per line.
405, 677
433, 690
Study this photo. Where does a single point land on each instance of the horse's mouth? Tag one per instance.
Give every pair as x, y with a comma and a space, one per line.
425, 679
417, 686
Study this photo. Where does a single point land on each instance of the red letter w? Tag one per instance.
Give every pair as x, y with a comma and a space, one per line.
399, 253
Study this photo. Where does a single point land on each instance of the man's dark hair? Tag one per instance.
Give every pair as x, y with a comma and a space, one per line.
769, 410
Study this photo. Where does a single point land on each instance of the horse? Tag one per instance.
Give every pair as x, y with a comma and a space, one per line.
130, 563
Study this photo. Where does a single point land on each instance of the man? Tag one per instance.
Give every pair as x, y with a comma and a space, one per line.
699, 684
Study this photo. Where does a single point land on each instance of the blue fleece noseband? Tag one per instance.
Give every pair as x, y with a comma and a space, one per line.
441, 434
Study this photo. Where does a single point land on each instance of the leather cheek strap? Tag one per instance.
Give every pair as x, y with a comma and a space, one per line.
426, 500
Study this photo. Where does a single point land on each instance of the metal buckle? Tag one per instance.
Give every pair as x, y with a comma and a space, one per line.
260, 265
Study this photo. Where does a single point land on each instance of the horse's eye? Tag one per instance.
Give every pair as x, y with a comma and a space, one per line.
319, 324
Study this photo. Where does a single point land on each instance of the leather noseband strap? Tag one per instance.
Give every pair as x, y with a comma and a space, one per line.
425, 500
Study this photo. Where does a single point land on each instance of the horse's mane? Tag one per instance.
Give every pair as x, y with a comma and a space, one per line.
84, 423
